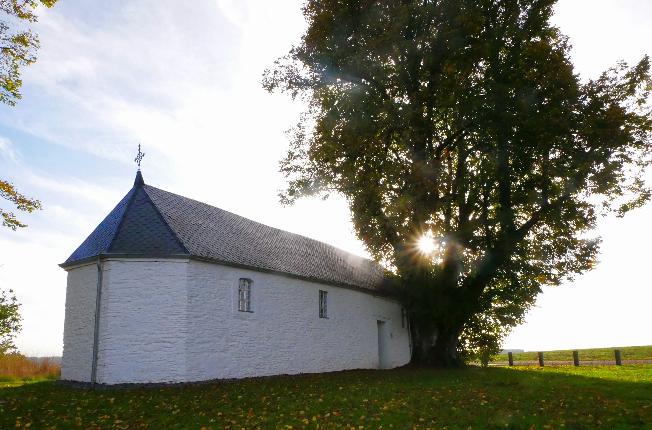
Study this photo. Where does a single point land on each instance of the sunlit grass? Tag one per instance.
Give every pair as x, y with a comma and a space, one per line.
596, 354
515, 398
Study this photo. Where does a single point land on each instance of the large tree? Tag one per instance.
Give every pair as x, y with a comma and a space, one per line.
464, 121
18, 46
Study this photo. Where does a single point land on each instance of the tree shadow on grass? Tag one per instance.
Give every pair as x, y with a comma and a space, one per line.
521, 398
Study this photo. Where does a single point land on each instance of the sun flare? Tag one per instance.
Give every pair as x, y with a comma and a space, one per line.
426, 244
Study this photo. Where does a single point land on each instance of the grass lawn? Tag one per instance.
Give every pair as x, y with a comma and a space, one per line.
627, 353
9, 381
514, 398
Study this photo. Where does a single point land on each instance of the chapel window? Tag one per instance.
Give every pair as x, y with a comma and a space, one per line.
244, 295
323, 304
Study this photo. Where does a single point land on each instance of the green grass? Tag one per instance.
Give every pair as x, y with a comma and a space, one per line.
493, 398
10, 381
627, 353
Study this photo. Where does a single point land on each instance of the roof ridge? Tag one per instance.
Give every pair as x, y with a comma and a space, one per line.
122, 217
267, 226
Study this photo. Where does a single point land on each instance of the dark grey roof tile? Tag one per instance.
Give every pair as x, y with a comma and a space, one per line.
143, 231
100, 239
152, 222
216, 234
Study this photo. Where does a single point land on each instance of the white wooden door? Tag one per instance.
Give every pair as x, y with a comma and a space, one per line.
383, 362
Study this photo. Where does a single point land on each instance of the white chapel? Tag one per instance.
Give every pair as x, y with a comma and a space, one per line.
169, 289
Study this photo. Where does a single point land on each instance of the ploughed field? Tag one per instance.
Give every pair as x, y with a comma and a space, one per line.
515, 398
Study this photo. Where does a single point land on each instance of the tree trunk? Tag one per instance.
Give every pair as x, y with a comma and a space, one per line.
444, 352
436, 348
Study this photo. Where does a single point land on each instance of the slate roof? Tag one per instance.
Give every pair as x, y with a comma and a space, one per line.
150, 222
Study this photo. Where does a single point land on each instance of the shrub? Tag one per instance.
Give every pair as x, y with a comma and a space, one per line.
19, 366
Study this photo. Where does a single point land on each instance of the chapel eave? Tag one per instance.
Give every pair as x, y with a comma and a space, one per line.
381, 290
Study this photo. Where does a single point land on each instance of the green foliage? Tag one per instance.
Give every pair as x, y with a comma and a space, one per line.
18, 45
494, 398
23, 203
464, 119
482, 338
9, 321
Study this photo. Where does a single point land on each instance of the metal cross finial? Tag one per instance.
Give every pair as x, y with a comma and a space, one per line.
139, 157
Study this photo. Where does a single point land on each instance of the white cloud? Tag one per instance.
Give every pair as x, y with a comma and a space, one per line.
73, 188
7, 150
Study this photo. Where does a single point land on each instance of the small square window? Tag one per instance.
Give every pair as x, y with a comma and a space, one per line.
244, 295
323, 304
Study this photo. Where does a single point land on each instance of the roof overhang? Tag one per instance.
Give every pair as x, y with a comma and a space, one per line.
106, 256
380, 290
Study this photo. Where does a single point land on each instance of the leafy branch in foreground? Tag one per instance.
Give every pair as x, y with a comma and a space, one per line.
23, 203
18, 46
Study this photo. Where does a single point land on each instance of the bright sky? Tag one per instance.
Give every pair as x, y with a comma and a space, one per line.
183, 79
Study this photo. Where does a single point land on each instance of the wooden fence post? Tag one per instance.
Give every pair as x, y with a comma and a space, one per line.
541, 359
619, 361
510, 358
576, 358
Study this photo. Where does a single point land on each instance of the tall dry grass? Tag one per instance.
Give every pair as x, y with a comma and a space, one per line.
19, 366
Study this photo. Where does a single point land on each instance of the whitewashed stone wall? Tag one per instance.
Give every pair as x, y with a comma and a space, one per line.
79, 323
283, 334
143, 322
177, 320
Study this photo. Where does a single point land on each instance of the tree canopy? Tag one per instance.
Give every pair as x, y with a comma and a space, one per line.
464, 120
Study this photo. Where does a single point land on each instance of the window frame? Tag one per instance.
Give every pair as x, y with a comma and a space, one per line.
244, 295
323, 304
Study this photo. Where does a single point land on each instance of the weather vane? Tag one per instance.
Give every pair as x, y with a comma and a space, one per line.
139, 157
